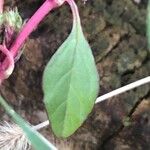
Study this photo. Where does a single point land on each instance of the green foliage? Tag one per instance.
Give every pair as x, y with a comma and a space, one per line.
70, 83
37, 140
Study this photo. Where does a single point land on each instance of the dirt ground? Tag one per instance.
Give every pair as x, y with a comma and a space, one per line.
116, 31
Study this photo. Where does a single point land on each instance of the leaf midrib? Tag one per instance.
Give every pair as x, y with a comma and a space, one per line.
77, 34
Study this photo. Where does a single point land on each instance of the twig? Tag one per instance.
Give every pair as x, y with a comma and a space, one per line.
123, 89
107, 96
41, 125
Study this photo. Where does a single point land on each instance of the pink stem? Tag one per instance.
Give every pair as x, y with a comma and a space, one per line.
1, 6
5, 73
75, 12
31, 25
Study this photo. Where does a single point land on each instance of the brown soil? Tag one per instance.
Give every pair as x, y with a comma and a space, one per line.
116, 32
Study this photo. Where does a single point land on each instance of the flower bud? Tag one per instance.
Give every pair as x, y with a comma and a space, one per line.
13, 19
12, 24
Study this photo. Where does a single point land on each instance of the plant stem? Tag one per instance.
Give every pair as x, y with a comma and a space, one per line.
1, 6
123, 89
75, 11
5, 72
36, 139
41, 125
31, 25
107, 96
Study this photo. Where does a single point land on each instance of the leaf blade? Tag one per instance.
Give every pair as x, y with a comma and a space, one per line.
70, 83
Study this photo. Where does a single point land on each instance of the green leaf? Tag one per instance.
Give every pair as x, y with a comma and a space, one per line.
36, 139
70, 82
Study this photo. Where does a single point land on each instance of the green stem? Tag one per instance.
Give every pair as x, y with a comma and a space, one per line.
37, 140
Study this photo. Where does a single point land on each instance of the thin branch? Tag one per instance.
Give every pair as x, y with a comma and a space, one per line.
107, 96
41, 125
123, 89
